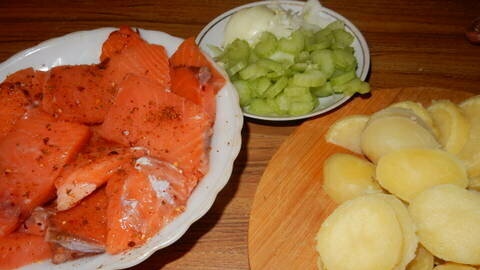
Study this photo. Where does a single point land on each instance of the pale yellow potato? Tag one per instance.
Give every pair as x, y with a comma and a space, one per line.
474, 183
346, 132
406, 172
394, 129
470, 153
347, 176
410, 239
362, 234
454, 266
418, 109
447, 219
423, 260
452, 125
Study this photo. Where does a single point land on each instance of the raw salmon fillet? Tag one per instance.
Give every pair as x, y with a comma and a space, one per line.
125, 52
171, 127
81, 230
119, 40
28, 81
188, 54
186, 82
90, 170
31, 157
132, 211
78, 93
18, 249
13, 104
142, 201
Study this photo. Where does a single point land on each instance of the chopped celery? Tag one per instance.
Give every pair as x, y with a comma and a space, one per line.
294, 44
276, 88
310, 78
324, 60
261, 107
215, 50
283, 57
259, 86
343, 78
342, 38
266, 45
286, 75
344, 60
244, 92
323, 91
253, 71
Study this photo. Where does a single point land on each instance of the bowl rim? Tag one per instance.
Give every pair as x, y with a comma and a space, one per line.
365, 51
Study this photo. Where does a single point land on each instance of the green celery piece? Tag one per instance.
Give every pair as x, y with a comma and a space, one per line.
343, 78
344, 59
276, 88
260, 106
267, 45
342, 38
324, 60
310, 78
244, 92
282, 57
293, 44
354, 86
259, 86
238, 50
252, 71
323, 91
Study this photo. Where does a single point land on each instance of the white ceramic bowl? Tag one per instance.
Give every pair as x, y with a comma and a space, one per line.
213, 34
84, 48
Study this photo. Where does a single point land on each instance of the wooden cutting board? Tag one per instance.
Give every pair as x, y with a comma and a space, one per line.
289, 204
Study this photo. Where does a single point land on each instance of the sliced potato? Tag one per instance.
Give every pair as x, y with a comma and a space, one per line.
348, 176
410, 240
346, 132
387, 131
407, 172
362, 234
419, 110
471, 151
423, 260
454, 266
453, 126
448, 219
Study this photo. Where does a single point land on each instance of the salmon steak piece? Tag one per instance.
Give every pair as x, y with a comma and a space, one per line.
81, 230
142, 201
31, 157
78, 93
171, 127
90, 170
188, 54
191, 83
19, 249
13, 104
125, 52
28, 81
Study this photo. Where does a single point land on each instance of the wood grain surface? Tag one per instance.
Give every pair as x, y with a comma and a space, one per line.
290, 204
412, 43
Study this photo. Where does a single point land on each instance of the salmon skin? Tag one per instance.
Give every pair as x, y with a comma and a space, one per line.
31, 157
173, 128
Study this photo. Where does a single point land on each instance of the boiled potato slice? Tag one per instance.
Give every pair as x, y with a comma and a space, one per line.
362, 234
448, 219
454, 266
423, 260
410, 240
348, 176
346, 132
453, 126
387, 131
471, 151
406, 172
419, 110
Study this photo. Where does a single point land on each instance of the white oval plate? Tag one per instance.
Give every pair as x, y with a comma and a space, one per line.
212, 34
84, 48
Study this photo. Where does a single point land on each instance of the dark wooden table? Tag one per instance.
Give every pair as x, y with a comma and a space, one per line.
412, 43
